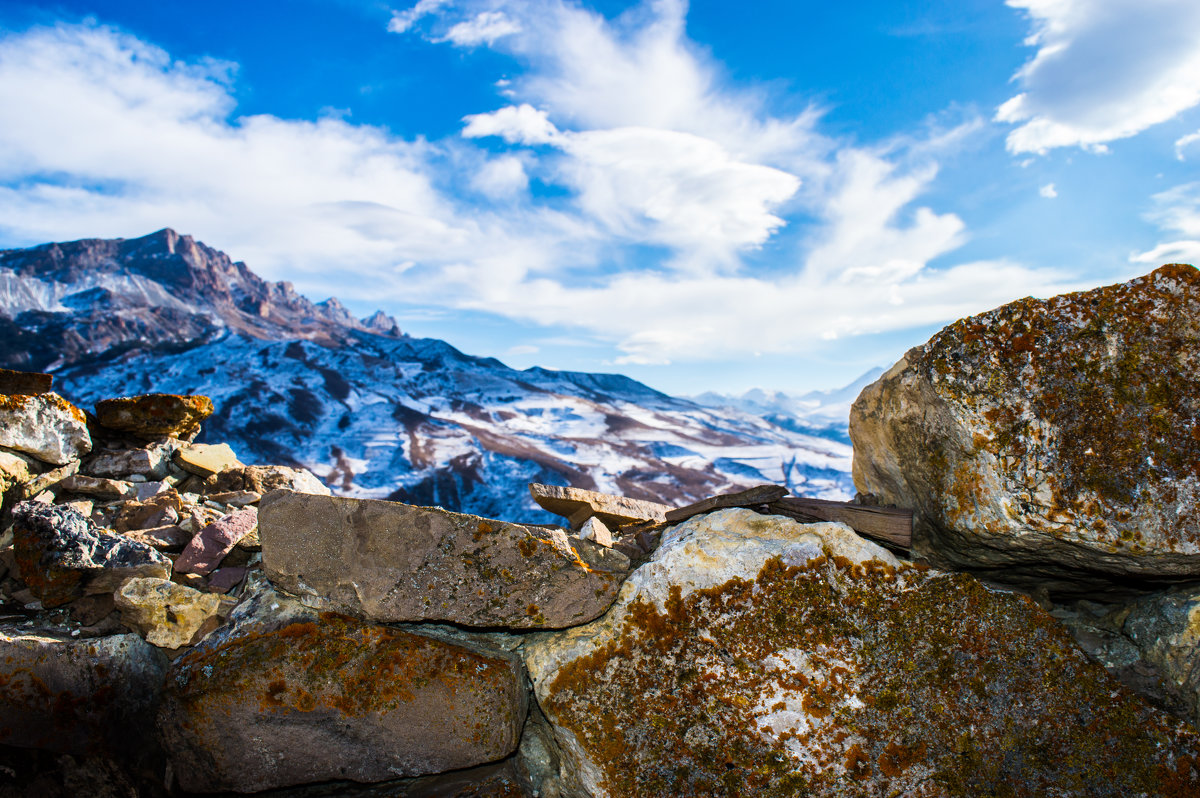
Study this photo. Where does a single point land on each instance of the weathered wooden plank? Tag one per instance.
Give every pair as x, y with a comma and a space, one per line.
578, 505
752, 497
890, 524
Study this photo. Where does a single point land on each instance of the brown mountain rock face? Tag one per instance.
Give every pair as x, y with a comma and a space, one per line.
1057, 440
334, 698
753, 655
394, 562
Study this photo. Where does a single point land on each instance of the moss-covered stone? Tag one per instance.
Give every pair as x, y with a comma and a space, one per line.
44, 425
1059, 435
155, 414
840, 674
333, 698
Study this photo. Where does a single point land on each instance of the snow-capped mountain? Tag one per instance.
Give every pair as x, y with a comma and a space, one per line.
372, 411
822, 413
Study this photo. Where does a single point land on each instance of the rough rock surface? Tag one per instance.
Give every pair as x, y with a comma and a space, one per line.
46, 426
76, 696
334, 698
150, 462
1052, 439
24, 382
99, 486
262, 479
394, 562
169, 615
206, 550
753, 655
154, 415
62, 555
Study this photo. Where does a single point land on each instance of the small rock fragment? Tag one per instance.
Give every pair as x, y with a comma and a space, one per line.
236, 498
167, 614
594, 529
98, 486
153, 415
62, 555
209, 547
46, 426
223, 580
118, 463
169, 537
206, 459
157, 511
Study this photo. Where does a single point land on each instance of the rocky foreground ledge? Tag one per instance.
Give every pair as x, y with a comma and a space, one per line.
176, 622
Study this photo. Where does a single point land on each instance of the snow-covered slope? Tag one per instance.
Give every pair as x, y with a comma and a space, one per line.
370, 410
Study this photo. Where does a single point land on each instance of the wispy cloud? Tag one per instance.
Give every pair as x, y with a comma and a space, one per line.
1104, 70
1177, 213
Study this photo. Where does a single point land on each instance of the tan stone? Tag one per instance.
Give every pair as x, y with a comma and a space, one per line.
98, 486
594, 530
169, 615
577, 505
1049, 440
753, 655
394, 562
206, 459
261, 479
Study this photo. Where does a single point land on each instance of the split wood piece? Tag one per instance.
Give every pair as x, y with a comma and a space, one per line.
578, 505
752, 497
889, 524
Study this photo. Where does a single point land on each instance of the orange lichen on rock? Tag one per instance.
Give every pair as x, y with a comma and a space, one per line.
834, 678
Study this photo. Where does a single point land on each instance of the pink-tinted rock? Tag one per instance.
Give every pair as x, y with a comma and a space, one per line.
210, 546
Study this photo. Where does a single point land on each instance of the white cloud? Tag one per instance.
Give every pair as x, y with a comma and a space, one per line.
402, 21
1104, 70
1048, 191
1176, 212
501, 177
1184, 142
104, 135
484, 28
516, 124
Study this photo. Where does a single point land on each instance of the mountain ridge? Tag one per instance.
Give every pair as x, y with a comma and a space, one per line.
371, 410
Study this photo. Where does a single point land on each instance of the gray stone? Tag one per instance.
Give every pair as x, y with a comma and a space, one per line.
1049, 441
46, 426
62, 555
77, 696
263, 704
150, 462
394, 562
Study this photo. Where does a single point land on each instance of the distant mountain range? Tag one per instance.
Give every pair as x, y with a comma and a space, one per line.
377, 413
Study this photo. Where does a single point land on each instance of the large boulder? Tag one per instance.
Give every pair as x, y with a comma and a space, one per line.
77, 696
394, 562
284, 695
46, 426
1052, 441
62, 555
155, 415
753, 655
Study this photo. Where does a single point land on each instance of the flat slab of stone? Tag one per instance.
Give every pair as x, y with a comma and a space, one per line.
62, 555
77, 696
24, 382
150, 462
394, 562
1049, 440
46, 426
155, 415
206, 459
578, 505
754, 655
99, 486
335, 698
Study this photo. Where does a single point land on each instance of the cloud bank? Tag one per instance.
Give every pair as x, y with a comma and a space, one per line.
622, 188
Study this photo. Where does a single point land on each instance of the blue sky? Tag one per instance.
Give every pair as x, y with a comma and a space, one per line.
703, 196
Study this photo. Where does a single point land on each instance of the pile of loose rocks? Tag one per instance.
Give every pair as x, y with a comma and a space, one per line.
176, 622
